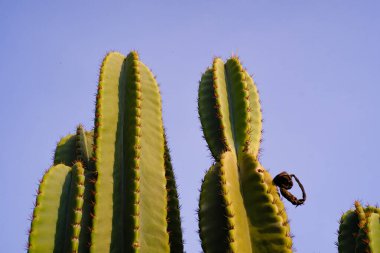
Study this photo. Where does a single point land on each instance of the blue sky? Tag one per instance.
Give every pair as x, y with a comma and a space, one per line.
316, 64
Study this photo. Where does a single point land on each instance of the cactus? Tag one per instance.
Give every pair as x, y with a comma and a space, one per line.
239, 209
58, 210
114, 188
359, 230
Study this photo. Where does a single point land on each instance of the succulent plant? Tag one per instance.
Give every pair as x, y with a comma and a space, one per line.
359, 230
239, 209
113, 189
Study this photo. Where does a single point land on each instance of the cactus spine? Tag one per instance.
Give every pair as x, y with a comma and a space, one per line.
129, 201
239, 209
359, 230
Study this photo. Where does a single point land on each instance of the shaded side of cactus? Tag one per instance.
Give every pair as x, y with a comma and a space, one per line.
359, 230
255, 218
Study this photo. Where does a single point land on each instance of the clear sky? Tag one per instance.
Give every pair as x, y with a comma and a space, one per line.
316, 64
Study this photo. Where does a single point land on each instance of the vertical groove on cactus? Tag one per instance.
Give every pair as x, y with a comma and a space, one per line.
173, 214
61, 189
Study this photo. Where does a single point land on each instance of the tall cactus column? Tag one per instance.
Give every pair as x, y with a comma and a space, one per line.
130, 213
240, 209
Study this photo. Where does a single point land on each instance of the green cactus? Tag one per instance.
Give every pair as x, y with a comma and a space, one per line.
239, 209
57, 215
126, 200
359, 230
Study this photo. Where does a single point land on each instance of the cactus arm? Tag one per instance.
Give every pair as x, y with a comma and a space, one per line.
222, 215
52, 191
56, 231
173, 214
269, 226
131, 215
210, 116
105, 154
229, 109
65, 151
348, 231
212, 216
359, 230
